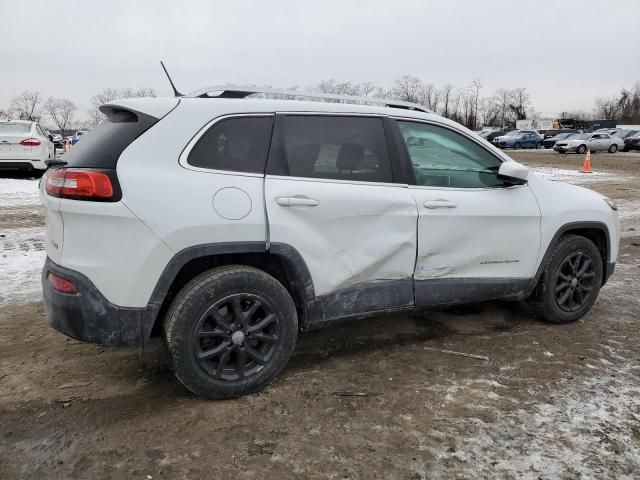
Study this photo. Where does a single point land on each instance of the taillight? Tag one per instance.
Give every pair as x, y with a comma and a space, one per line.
30, 142
62, 285
79, 184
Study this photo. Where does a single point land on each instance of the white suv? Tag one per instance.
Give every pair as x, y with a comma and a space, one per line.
227, 224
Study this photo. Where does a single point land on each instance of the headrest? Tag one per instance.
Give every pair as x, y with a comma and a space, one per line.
350, 156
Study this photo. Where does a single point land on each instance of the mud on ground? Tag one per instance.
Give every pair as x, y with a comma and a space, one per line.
371, 399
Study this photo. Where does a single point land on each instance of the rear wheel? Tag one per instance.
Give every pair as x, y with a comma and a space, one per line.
613, 148
570, 282
581, 149
230, 331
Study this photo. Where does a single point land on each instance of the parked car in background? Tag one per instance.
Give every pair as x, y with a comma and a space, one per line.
520, 140
595, 142
496, 133
76, 136
57, 139
624, 133
556, 131
496, 140
24, 145
632, 142
551, 141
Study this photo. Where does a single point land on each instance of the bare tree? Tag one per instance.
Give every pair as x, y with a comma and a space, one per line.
27, 106
606, 108
519, 102
60, 111
503, 100
408, 89
476, 85
446, 94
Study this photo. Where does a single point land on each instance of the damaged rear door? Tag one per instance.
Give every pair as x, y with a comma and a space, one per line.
330, 194
478, 238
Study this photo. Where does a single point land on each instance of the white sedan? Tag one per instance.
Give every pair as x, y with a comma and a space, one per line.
580, 143
24, 145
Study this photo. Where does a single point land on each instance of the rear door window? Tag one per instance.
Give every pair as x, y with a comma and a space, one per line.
331, 147
238, 144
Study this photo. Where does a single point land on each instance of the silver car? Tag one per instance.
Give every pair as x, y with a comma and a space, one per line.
595, 142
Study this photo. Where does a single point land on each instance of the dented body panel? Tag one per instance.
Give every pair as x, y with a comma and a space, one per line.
489, 233
356, 234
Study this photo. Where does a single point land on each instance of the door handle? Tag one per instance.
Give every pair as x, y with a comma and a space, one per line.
439, 204
297, 202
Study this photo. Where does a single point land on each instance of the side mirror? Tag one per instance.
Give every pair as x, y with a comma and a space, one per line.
513, 173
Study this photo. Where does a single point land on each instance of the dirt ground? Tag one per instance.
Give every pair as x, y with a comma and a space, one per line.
371, 399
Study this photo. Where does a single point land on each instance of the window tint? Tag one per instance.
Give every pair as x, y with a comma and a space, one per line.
442, 157
240, 144
102, 147
340, 148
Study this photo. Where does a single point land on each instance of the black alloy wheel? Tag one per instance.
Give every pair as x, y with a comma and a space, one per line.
235, 337
575, 282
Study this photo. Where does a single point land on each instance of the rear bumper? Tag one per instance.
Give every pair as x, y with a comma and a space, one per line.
88, 316
22, 165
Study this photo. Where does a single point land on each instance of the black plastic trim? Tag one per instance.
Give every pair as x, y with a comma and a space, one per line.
456, 291
556, 238
88, 316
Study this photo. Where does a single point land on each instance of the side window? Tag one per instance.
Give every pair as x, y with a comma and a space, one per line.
444, 158
331, 147
240, 144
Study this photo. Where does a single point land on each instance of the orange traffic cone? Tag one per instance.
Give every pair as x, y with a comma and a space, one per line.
586, 166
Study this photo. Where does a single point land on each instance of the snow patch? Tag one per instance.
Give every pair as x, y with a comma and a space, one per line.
22, 252
15, 192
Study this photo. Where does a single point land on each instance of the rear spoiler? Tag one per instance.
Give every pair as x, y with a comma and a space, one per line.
156, 107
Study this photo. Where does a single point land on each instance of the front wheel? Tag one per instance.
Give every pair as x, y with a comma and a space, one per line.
613, 148
230, 331
581, 149
570, 282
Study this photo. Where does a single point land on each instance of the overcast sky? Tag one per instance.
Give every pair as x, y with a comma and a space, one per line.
565, 52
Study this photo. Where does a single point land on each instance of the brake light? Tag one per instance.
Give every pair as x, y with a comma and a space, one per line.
30, 142
79, 184
62, 285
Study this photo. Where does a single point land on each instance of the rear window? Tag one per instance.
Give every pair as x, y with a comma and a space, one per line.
102, 146
240, 144
340, 148
12, 128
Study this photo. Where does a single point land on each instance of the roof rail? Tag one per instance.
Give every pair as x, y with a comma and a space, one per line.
235, 91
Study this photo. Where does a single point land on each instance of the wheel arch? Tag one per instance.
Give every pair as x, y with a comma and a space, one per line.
597, 232
281, 261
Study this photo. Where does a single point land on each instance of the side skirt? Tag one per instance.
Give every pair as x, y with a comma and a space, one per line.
455, 291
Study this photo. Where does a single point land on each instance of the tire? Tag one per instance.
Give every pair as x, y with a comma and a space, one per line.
613, 148
581, 149
564, 294
230, 331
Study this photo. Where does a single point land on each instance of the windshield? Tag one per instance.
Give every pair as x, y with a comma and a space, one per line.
580, 136
560, 136
8, 128
511, 133
623, 133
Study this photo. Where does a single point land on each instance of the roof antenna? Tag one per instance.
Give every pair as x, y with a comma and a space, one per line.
175, 91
